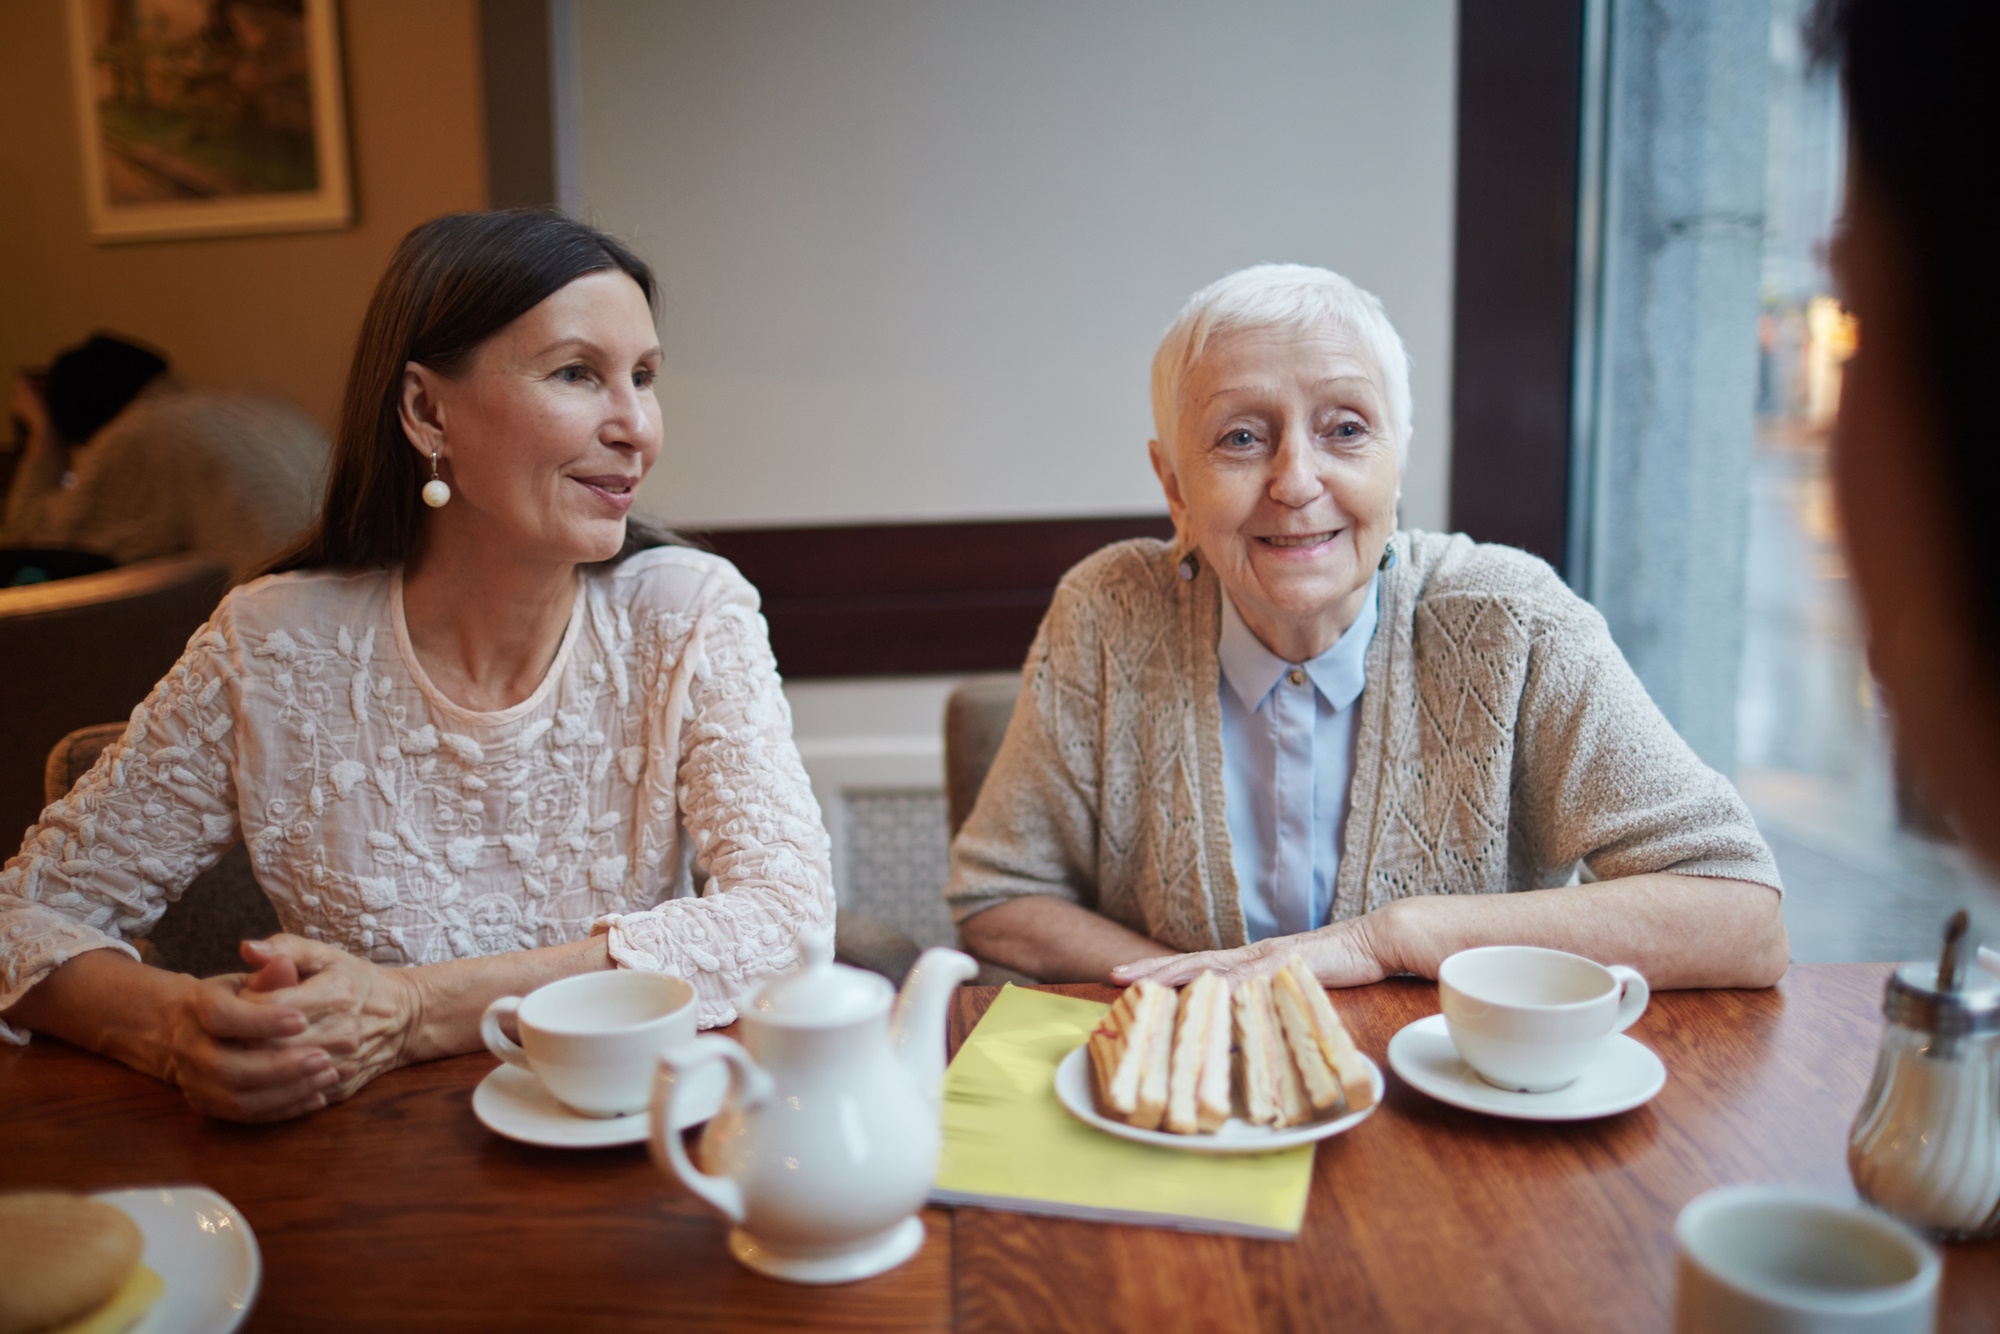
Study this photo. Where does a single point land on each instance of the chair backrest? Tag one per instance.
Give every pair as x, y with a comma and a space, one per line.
73, 755
975, 719
199, 932
76, 652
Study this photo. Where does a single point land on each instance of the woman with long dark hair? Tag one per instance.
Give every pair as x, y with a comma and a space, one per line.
479, 731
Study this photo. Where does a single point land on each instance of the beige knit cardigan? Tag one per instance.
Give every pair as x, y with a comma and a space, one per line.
1502, 743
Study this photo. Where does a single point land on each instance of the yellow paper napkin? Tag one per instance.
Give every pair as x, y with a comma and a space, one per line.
1008, 1144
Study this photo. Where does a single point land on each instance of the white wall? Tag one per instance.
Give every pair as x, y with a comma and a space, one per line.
917, 253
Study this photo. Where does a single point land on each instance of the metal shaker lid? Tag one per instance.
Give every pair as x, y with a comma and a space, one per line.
1914, 1001
1953, 997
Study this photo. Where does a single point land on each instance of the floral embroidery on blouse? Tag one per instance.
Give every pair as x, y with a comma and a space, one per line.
384, 819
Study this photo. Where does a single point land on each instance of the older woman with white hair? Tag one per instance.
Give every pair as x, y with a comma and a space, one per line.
1298, 729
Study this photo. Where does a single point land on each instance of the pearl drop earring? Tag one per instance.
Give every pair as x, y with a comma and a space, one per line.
436, 492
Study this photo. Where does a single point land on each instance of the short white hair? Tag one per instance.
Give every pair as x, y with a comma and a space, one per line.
1295, 297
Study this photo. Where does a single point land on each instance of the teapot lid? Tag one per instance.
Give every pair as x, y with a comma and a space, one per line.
819, 993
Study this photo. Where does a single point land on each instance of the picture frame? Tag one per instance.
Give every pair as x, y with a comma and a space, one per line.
209, 118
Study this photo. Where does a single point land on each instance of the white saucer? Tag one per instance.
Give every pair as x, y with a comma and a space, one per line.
202, 1250
514, 1103
1627, 1075
1236, 1136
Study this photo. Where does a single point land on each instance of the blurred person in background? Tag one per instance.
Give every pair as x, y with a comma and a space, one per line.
1916, 457
478, 733
1299, 729
117, 459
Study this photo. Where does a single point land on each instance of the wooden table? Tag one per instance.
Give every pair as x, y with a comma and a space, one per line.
398, 1210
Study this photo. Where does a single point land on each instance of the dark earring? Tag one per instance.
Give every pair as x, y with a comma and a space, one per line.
1388, 561
1190, 567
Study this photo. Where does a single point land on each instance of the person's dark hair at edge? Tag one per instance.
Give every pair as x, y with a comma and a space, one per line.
91, 383
1919, 114
453, 283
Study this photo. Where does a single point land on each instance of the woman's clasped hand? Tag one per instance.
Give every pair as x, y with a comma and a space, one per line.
310, 1025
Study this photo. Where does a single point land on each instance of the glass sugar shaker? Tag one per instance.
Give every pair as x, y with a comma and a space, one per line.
1926, 1146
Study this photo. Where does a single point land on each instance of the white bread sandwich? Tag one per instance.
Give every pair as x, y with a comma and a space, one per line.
1335, 1077
1253, 1052
1159, 1062
1192, 1097
1272, 1092
1121, 1049
1211, 1095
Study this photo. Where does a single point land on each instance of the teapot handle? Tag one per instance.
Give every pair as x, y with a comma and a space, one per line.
748, 1086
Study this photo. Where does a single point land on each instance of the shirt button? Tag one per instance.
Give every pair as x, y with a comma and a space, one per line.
1296, 677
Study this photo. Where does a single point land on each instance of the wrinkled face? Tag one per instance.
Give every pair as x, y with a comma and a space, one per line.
1284, 475
547, 433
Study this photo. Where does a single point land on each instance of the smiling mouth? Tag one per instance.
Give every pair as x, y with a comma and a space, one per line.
1292, 541
613, 490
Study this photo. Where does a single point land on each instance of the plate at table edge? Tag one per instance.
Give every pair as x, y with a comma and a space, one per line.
1237, 1136
212, 1293
1467, 1091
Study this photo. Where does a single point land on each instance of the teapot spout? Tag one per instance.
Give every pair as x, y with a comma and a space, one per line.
918, 1028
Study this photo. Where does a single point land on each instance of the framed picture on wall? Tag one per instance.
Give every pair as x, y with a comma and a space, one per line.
209, 117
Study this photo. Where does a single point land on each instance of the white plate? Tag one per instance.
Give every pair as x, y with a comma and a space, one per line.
1236, 1136
202, 1250
514, 1103
1627, 1075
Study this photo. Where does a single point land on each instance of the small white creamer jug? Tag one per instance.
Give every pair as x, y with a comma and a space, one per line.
827, 1142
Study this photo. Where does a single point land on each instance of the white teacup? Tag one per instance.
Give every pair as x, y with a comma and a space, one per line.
595, 1040
1531, 1019
1770, 1260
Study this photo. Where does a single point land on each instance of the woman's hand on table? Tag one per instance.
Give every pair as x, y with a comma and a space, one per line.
361, 1015
242, 1059
1344, 954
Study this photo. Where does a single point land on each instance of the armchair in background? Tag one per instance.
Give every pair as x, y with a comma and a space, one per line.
75, 652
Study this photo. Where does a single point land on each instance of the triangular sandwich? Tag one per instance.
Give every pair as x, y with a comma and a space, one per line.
1272, 1095
1252, 1003
1335, 1043
1192, 1025
1153, 1083
1118, 1049
1211, 1096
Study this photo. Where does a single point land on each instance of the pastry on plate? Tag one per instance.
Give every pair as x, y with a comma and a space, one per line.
69, 1264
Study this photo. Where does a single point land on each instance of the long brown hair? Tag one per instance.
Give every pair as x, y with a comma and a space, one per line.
453, 283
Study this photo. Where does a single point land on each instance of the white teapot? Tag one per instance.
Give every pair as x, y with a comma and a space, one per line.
827, 1142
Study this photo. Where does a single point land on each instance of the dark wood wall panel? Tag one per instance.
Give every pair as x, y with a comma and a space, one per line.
1520, 79
893, 599
516, 85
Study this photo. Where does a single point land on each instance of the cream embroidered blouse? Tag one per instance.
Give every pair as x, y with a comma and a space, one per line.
385, 819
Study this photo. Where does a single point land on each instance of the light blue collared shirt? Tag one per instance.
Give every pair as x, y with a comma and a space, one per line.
1287, 758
